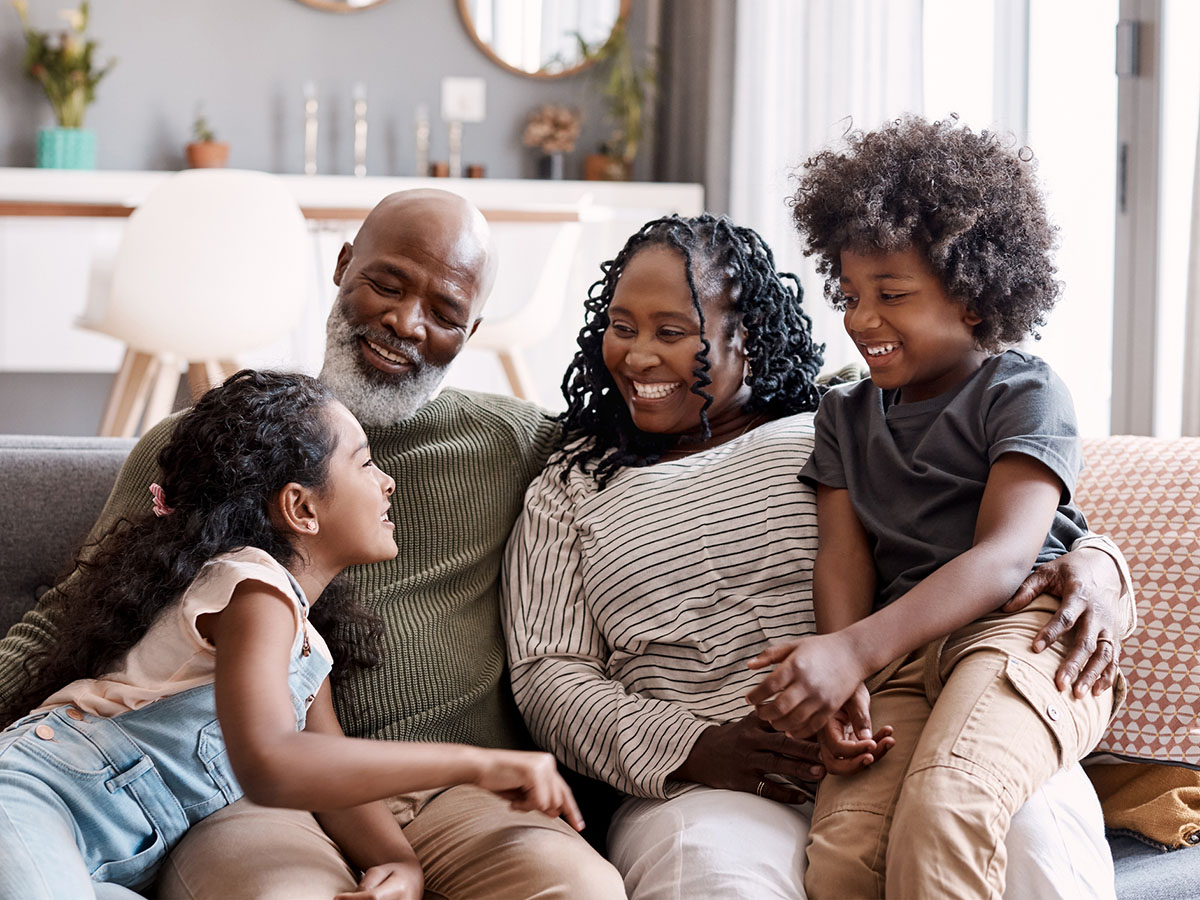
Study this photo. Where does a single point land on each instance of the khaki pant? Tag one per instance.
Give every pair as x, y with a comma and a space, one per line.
471, 844
929, 819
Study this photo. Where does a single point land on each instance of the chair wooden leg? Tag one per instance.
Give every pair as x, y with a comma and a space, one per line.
203, 376
519, 377
127, 399
162, 397
229, 367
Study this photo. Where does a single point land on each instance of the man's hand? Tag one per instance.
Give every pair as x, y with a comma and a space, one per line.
390, 881
812, 678
737, 755
848, 742
1089, 584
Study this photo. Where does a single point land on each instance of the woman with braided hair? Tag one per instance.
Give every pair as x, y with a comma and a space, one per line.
666, 544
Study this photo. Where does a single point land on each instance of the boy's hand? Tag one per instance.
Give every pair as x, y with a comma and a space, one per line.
847, 741
390, 881
530, 781
815, 675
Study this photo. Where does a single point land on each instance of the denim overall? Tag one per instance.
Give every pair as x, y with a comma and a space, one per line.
88, 799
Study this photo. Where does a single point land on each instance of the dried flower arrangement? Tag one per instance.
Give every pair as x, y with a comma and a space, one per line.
552, 129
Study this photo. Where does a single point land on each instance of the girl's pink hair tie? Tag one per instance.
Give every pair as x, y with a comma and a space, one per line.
160, 502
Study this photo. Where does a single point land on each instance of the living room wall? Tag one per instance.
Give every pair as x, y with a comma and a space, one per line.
247, 63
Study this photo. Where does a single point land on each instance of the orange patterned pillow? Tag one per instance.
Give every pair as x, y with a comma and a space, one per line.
1144, 493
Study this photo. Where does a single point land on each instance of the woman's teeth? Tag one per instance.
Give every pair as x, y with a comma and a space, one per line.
656, 390
880, 349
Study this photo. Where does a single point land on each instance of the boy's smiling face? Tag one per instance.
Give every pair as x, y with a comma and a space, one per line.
911, 333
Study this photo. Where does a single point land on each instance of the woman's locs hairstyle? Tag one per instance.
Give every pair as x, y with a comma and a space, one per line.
969, 202
782, 357
226, 460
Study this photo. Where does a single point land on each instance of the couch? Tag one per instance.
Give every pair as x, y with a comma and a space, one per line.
1142, 492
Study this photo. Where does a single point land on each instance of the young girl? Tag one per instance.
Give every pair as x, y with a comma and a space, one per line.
940, 482
194, 672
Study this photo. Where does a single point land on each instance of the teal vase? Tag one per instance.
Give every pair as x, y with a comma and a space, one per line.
66, 148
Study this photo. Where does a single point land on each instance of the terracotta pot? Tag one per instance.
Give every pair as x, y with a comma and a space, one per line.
207, 154
601, 167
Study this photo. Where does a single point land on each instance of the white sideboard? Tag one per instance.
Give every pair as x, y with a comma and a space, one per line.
59, 231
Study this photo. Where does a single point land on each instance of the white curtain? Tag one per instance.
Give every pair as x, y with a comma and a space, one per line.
1191, 357
805, 72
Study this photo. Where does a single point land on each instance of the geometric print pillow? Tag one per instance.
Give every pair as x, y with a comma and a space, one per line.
1144, 493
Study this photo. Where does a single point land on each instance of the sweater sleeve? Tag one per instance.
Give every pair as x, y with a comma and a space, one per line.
38, 629
558, 659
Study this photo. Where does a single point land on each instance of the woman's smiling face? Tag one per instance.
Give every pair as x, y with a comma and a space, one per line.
651, 343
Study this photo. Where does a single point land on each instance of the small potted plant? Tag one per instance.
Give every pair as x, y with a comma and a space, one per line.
626, 87
62, 63
205, 151
552, 129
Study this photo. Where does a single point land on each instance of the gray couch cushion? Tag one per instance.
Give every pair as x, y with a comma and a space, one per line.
51, 492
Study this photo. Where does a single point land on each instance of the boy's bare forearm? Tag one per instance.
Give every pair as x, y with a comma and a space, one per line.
971, 585
844, 569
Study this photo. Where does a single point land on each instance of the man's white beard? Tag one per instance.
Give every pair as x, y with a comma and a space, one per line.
376, 398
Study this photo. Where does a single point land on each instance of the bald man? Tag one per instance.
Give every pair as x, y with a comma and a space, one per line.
411, 289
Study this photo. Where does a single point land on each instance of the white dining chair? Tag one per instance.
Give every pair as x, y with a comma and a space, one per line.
534, 319
213, 263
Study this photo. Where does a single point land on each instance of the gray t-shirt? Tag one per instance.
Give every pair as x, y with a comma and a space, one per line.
916, 471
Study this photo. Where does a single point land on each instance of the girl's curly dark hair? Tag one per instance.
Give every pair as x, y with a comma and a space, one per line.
784, 360
967, 201
226, 459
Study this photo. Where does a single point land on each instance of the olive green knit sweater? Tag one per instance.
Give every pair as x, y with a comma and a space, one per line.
461, 465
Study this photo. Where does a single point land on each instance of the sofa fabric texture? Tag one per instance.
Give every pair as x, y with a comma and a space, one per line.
1144, 493
52, 490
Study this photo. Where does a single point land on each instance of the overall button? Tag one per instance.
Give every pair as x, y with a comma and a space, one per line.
73, 713
45, 732
309, 699
1192, 837
1052, 712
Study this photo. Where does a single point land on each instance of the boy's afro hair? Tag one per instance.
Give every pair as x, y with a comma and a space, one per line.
968, 201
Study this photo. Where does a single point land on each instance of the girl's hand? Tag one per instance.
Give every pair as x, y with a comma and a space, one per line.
530, 781
847, 742
815, 675
390, 881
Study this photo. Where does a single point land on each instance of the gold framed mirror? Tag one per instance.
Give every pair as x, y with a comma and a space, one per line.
540, 38
342, 6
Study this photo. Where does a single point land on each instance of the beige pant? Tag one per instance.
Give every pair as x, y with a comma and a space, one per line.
471, 844
929, 819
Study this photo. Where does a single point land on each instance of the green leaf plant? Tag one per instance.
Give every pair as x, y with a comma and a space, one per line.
62, 62
627, 88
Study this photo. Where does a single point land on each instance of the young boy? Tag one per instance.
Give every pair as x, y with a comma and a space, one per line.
940, 482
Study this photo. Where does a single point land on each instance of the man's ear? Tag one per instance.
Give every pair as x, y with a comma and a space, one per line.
344, 257
296, 509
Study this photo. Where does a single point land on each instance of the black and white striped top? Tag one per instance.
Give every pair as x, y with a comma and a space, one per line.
630, 612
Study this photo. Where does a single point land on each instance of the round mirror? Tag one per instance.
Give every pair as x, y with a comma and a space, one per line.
540, 38
341, 6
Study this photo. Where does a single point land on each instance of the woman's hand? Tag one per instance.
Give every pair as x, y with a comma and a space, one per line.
390, 881
813, 677
736, 756
530, 781
848, 742
1089, 584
